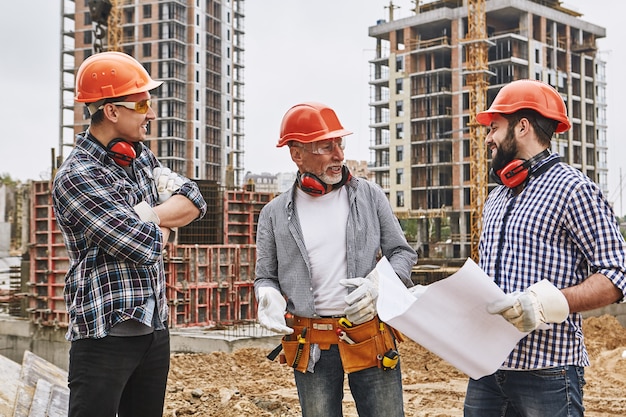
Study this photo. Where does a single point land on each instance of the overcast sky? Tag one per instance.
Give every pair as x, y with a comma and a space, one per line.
295, 50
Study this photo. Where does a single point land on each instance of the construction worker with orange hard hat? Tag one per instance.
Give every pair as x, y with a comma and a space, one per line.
551, 242
116, 206
317, 247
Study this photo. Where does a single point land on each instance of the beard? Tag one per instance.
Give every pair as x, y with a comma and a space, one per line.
506, 152
331, 179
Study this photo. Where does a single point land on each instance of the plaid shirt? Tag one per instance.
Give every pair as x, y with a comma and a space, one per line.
282, 257
561, 228
116, 261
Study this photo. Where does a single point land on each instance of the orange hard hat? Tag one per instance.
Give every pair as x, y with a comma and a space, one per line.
310, 122
111, 74
528, 94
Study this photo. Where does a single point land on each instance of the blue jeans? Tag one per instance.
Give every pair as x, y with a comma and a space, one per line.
119, 376
554, 392
376, 392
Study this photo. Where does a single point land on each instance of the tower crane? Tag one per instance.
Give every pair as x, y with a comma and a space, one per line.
477, 48
106, 15
391, 8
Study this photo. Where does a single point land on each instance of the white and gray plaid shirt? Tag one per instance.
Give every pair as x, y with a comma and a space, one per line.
372, 231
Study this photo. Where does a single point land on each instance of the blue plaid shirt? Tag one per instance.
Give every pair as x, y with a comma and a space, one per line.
561, 228
116, 261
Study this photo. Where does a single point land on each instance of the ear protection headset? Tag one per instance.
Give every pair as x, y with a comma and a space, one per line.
122, 152
518, 170
313, 185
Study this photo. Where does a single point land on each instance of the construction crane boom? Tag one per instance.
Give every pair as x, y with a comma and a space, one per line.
114, 37
106, 16
477, 49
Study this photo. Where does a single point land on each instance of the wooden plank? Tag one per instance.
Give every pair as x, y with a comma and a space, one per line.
41, 398
36, 381
23, 399
35, 368
59, 401
9, 383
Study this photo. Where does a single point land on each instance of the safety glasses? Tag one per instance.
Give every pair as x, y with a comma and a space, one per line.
325, 147
141, 107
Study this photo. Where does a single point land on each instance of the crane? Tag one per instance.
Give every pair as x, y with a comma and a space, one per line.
477, 48
106, 15
391, 8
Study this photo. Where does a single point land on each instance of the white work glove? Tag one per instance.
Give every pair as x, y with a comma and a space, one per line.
417, 290
362, 301
271, 312
146, 213
541, 303
167, 182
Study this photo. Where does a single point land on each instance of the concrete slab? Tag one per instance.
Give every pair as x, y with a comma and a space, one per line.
196, 340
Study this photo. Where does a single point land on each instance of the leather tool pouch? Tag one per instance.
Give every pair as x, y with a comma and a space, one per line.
372, 340
291, 347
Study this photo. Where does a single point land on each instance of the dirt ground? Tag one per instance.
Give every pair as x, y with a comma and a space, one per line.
246, 383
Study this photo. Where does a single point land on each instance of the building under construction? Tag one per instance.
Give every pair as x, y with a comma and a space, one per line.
196, 49
428, 77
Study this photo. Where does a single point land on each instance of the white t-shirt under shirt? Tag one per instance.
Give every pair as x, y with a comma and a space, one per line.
324, 220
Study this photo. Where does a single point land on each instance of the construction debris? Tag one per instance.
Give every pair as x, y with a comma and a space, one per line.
36, 388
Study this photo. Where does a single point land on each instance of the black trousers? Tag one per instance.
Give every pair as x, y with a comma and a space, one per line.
119, 376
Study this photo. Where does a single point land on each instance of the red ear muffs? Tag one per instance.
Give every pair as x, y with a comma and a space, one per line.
518, 170
514, 173
311, 184
122, 152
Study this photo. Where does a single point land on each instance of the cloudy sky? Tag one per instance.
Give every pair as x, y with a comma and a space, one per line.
296, 50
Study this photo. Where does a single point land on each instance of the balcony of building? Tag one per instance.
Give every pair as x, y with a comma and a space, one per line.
379, 73
437, 82
422, 44
431, 108
432, 130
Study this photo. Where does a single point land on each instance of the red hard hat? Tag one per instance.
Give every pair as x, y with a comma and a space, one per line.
528, 94
310, 122
111, 74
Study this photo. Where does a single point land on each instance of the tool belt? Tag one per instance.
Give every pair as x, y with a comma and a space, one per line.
372, 340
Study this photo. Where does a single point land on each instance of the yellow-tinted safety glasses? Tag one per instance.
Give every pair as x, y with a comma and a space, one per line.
141, 107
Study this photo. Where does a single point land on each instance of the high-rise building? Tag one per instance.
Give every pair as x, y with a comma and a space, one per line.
419, 103
196, 48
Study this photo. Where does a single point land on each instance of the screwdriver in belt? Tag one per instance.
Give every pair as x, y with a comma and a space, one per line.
301, 342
